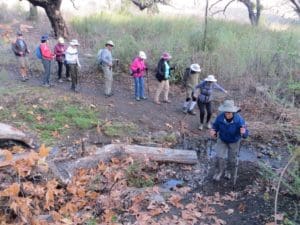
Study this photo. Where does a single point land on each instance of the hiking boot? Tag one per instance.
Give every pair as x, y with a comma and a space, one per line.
108, 95
200, 127
69, 79
60, 80
143, 98
46, 85
157, 102
23, 79
167, 101
227, 174
137, 98
184, 110
191, 112
208, 126
220, 167
27, 78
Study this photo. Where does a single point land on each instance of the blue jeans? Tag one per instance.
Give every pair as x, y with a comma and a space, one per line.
139, 87
47, 68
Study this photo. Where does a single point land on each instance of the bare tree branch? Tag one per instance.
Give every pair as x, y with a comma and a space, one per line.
215, 3
224, 9
73, 3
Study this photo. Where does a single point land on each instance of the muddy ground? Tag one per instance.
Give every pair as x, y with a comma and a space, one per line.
254, 204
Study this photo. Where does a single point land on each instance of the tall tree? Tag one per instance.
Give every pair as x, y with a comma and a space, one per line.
52, 9
254, 9
296, 6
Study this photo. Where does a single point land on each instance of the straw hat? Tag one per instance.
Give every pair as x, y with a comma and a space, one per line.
228, 106
211, 78
195, 67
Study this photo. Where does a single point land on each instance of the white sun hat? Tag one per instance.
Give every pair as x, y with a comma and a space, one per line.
74, 42
110, 42
142, 55
211, 78
195, 67
61, 40
228, 106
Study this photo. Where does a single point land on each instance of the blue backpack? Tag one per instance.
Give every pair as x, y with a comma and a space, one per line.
38, 52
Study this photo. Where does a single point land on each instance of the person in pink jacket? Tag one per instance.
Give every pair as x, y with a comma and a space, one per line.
59, 51
138, 68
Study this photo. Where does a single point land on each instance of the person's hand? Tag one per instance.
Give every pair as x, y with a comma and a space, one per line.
242, 130
212, 133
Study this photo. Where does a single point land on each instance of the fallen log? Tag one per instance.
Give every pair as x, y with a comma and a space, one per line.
8, 132
65, 170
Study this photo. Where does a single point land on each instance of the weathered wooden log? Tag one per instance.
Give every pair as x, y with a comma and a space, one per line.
65, 170
8, 132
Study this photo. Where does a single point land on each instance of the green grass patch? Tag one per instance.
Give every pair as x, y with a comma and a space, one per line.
51, 121
119, 129
137, 178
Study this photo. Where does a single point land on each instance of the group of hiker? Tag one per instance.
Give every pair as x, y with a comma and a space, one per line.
229, 126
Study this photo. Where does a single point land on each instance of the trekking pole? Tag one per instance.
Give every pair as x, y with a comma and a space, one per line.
148, 88
236, 165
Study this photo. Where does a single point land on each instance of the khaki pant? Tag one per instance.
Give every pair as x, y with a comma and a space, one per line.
163, 85
108, 76
23, 65
227, 151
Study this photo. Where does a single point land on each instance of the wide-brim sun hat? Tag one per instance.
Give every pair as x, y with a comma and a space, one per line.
211, 78
195, 67
228, 106
166, 56
61, 40
142, 55
74, 42
110, 42
44, 37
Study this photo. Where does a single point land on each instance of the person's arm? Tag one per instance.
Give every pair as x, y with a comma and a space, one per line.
243, 128
77, 60
218, 87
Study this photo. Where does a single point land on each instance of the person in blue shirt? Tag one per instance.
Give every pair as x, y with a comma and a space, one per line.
229, 127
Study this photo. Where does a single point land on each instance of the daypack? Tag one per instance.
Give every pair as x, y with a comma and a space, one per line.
99, 56
185, 76
38, 52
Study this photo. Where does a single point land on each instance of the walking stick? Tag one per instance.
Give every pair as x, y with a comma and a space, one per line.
236, 165
147, 74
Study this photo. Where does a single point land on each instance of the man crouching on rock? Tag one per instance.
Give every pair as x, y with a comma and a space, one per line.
229, 127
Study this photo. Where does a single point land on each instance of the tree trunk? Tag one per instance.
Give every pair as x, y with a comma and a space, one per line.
253, 16
205, 27
33, 12
296, 4
52, 9
57, 21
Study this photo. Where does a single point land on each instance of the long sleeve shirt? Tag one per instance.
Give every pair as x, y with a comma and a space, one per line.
46, 51
106, 57
229, 132
59, 51
206, 89
138, 67
71, 55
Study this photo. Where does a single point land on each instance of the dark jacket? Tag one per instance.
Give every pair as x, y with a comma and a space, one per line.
161, 69
59, 51
230, 132
20, 47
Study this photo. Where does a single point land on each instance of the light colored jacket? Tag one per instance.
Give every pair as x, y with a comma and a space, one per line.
72, 56
106, 57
